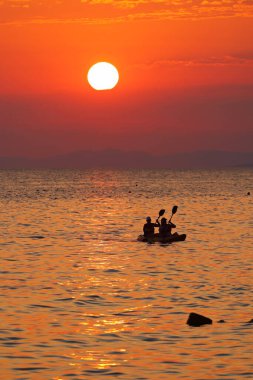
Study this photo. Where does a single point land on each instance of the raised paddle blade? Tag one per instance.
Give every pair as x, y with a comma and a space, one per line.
174, 209
161, 212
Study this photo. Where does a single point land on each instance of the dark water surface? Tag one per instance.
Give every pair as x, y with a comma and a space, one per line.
81, 298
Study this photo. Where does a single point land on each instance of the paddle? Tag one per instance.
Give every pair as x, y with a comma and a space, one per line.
161, 212
173, 211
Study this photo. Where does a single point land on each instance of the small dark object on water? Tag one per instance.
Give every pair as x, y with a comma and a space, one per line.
197, 320
251, 321
248, 193
221, 321
130, 191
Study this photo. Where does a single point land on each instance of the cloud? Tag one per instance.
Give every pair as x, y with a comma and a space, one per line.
228, 60
115, 11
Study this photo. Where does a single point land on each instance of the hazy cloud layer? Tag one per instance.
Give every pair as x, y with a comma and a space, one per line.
242, 60
113, 11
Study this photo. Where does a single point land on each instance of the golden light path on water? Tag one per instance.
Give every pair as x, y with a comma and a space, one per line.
81, 298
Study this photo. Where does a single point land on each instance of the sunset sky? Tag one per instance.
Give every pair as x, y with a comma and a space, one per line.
186, 75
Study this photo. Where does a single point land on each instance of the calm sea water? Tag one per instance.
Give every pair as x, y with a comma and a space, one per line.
82, 299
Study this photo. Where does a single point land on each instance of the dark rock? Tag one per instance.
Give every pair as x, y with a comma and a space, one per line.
221, 321
197, 320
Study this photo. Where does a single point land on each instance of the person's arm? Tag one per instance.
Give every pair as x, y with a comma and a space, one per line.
157, 224
172, 225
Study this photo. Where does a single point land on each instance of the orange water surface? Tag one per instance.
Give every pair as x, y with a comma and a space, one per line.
81, 298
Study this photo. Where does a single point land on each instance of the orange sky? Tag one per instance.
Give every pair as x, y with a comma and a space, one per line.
186, 75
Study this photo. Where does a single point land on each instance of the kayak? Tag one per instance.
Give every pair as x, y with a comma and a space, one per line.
158, 239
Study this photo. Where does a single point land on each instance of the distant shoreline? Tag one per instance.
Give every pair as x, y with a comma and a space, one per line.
116, 159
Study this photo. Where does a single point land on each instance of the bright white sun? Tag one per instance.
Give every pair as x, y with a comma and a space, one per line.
103, 76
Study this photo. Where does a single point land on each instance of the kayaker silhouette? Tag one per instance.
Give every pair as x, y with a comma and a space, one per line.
149, 227
165, 228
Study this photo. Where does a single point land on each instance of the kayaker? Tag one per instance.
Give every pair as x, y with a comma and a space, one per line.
149, 227
165, 228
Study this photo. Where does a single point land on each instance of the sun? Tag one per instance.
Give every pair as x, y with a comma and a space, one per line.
103, 76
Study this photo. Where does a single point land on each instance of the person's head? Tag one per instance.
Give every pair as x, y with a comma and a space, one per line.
148, 219
163, 221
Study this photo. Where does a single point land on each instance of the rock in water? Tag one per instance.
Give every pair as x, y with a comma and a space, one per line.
197, 320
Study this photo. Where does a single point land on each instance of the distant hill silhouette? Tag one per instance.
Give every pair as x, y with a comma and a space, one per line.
117, 159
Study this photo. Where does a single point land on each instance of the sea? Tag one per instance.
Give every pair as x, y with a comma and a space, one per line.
81, 298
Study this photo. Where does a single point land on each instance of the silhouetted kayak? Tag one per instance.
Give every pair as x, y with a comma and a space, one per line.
158, 239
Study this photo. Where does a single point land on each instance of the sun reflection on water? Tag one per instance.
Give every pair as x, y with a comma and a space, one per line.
96, 359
